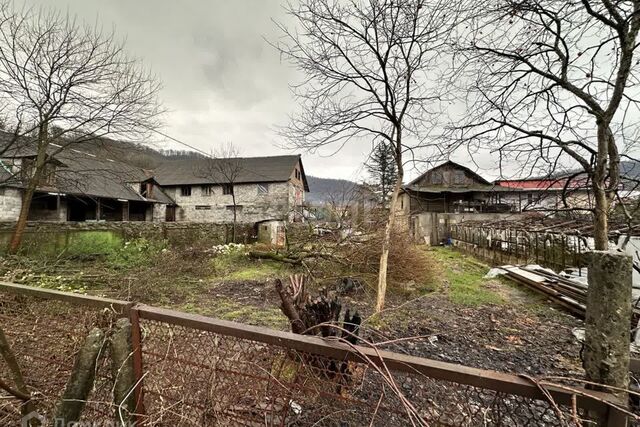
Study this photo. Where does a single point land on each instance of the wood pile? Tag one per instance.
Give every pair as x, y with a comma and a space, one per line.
570, 294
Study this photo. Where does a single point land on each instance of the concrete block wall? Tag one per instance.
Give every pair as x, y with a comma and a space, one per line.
10, 201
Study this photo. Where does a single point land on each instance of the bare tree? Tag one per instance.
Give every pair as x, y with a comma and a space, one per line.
365, 64
66, 83
224, 167
553, 83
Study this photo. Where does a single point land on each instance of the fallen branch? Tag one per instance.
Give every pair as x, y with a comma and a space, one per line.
294, 258
16, 373
13, 392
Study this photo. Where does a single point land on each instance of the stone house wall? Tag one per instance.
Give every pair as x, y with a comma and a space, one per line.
10, 201
253, 205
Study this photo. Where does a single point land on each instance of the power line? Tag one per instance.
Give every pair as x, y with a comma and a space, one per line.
178, 141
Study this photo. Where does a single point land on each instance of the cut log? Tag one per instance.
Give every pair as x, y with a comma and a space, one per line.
81, 381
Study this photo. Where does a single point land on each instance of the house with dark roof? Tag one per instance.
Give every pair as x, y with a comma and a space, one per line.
83, 185
450, 193
454, 188
264, 189
79, 186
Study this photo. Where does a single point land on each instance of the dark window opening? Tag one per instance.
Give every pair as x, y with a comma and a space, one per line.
207, 190
185, 191
203, 207
263, 188
227, 189
238, 208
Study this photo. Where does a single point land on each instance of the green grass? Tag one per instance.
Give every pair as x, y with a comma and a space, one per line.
238, 266
465, 277
93, 243
227, 309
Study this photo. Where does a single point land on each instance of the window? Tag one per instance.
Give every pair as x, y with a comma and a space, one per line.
146, 189
2, 191
238, 208
207, 190
263, 188
203, 207
297, 174
529, 198
458, 177
185, 191
227, 189
436, 177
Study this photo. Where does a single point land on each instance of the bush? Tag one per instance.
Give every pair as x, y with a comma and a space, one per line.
92, 243
135, 253
407, 262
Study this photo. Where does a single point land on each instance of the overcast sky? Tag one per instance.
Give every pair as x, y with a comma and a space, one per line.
222, 81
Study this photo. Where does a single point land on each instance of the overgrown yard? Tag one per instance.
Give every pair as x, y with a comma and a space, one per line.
444, 309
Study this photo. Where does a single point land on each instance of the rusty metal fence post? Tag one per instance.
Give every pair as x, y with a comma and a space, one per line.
136, 342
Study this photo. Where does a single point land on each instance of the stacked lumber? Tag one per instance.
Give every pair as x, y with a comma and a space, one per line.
568, 293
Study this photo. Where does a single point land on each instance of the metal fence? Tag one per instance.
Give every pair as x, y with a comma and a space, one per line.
198, 371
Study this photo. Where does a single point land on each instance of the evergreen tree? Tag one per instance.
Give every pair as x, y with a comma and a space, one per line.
382, 169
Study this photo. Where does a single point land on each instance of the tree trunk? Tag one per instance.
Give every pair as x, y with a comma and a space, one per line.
601, 220
21, 224
27, 196
599, 185
386, 242
235, 214
607, 325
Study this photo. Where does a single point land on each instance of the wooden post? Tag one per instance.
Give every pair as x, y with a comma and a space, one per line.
138, 367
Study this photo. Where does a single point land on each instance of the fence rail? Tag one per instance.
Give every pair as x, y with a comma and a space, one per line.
193, 370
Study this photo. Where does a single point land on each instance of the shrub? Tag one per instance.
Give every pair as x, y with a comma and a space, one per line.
92, 243
135, 253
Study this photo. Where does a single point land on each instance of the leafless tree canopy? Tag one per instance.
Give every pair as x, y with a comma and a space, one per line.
76, 79
63, 82
365, 64
552, 83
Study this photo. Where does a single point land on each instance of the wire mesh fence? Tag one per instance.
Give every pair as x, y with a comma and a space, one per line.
197, 371
45, 336
504, 245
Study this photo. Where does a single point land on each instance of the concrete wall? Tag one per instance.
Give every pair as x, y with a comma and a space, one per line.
10, 201
431, 227
253, 206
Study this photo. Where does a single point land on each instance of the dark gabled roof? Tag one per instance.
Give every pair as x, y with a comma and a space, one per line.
455, 165
250, 170
85, 174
